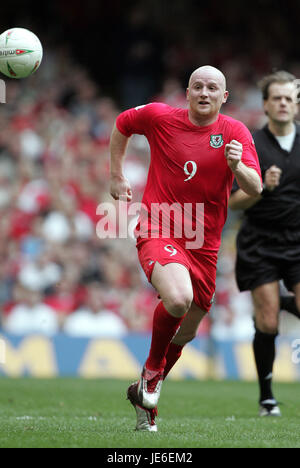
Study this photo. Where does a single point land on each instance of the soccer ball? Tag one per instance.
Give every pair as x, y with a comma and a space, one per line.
20, 53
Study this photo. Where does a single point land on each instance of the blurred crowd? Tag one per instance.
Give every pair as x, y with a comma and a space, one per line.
56, 273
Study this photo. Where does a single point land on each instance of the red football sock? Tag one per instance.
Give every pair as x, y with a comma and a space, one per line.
164, 328
173, 354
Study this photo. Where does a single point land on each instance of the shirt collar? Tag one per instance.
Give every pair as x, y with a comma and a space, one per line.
266, 129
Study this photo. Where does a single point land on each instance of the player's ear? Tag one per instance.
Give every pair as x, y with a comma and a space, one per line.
187, 94
296, 108
225, 97
265, 106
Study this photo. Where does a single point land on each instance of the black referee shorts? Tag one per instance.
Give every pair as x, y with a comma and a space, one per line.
264, 256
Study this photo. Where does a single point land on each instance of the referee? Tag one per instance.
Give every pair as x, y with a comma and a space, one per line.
268, 243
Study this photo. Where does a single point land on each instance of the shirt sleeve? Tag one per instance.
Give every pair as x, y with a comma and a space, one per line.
137, 120
249, 156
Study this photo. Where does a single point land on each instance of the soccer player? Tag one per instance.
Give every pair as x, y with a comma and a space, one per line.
268, 243
195, 155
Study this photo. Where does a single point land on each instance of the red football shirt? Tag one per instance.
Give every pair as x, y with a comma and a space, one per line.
188, 167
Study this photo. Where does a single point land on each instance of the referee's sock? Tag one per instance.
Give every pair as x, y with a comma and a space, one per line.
264, 353
288, 303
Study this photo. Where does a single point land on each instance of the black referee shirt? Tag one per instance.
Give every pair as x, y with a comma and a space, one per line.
279, 209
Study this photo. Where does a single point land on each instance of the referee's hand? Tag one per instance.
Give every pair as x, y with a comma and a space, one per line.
233, 154
272, 178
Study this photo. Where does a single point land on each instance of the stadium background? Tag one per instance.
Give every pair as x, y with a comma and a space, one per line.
71, 303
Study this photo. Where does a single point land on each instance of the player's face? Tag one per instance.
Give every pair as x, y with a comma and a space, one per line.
205, 95
281, 105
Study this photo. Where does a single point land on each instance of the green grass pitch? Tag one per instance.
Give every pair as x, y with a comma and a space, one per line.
70, 412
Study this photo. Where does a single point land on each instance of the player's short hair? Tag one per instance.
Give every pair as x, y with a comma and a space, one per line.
280, 76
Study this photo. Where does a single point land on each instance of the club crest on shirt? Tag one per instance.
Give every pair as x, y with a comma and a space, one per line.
216, 141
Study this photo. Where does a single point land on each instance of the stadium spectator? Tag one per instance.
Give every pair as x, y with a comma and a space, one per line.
92, 320
29, 314
40, 274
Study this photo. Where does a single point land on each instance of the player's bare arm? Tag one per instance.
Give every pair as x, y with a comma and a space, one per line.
119, 185
247, 178
241, 201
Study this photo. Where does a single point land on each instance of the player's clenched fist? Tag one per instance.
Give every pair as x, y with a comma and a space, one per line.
120, 188
233, 154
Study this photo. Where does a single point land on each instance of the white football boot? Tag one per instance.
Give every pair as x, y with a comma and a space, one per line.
145, 418
149, 388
